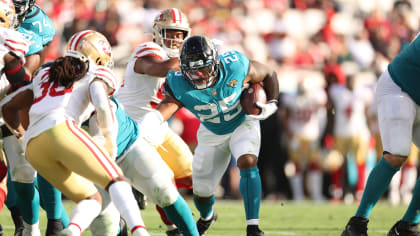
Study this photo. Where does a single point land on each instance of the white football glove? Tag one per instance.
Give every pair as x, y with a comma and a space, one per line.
266, 111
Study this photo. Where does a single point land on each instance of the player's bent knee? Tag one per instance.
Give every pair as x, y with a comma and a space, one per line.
395, 160
247, 161
23, 174
163, 193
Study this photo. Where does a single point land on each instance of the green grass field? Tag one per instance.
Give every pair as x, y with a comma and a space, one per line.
277, 218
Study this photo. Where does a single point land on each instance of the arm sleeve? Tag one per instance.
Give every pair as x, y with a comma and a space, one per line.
104, 113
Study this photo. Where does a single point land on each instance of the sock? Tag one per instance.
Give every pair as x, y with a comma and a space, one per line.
315, 183
181, 215
31, 229
16, 217
27, 201
83, 214
394, 189
205, 208
250, 188
377, 183
409, 178
51, 201
123, 199
11, 193
296, 182
163, 216
361, 170
2, 198
412, 215
337, 183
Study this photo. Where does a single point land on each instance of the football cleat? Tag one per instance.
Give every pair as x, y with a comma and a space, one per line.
254, 230
140, 198
123, 228
204, 225
53, 227
1, 230
173, 232
357, 226
402, 228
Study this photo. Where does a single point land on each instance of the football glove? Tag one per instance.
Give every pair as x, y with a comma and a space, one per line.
266, 111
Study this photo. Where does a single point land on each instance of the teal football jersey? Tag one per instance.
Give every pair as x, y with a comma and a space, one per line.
35, 42
218, 108
37, 21
128, 130
405, 70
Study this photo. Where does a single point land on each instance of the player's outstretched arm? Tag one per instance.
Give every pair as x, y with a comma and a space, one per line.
10, 105
104, 115
155, 66
259, 72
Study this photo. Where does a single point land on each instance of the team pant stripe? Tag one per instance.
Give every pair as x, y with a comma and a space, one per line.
96, 151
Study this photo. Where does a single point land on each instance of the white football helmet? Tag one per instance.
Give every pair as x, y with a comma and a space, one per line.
90, 45
170, 19
7, 14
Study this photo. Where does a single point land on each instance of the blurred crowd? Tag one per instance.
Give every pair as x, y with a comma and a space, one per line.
332, 49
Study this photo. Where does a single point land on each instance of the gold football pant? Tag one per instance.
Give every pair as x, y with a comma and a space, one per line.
68, 158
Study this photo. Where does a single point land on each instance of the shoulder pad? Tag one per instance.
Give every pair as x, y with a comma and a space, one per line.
149, 49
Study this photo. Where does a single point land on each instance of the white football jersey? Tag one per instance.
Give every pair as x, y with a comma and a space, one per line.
304, 113
14, 42
53, 104
140, 93
350, 110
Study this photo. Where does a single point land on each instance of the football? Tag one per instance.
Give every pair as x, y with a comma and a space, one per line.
250, 96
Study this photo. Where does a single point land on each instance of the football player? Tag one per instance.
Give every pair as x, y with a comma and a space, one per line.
351, 133
141, 91
210, 86
37, 28
397, 100
147, 172
61, 96
304, 109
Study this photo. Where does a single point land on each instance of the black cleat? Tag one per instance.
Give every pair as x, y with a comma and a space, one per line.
53, 227
357, 226
204, 225
173, 232
1, 230
123, 228
254, 230
140, 198
402, 228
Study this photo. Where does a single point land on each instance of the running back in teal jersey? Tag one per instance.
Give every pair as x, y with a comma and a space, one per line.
35, 41
37, 21
217, 107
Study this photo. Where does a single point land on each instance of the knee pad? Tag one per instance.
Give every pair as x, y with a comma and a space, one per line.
163, 191
20, 169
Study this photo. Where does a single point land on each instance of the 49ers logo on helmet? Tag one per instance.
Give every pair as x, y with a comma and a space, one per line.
105, 47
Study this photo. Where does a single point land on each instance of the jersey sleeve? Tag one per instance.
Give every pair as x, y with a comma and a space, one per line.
35, 42
236, 61
150, 49
105, 74
15, 43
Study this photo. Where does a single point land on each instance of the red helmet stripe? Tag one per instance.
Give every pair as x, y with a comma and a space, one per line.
174, 16
73, 45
